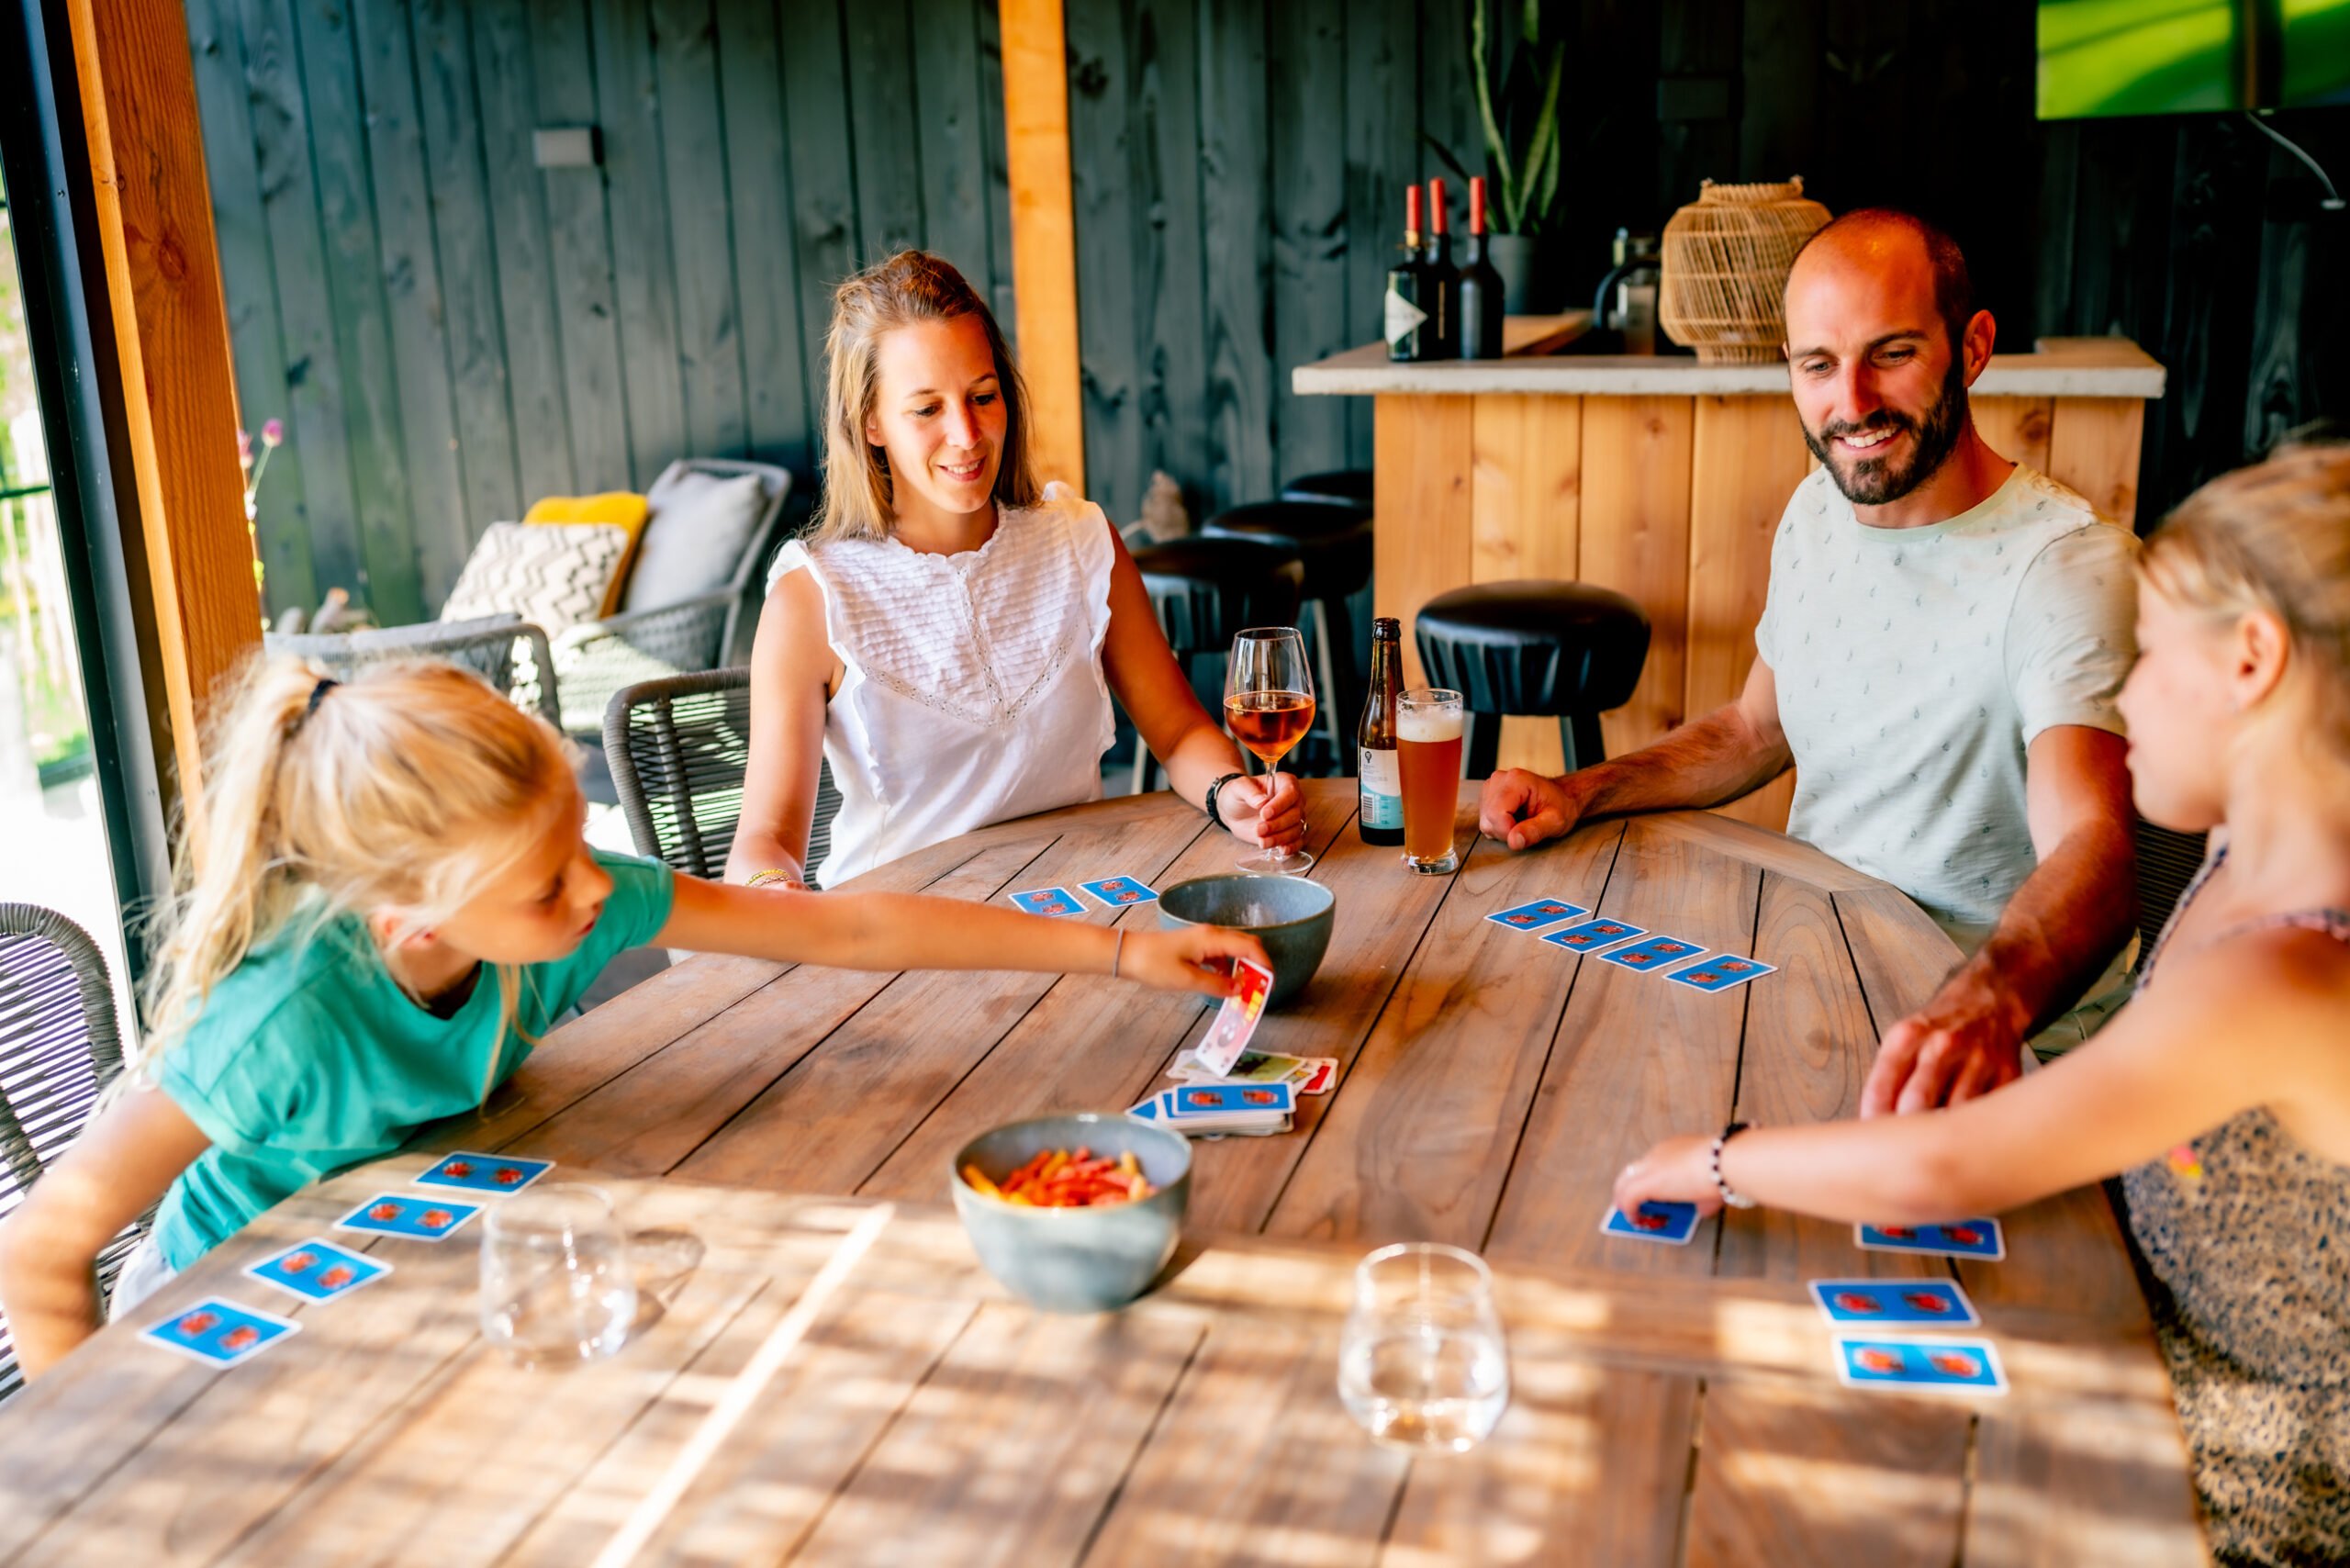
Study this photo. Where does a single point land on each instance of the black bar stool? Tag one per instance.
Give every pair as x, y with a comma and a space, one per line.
1334, 543
1542, 648
1206, 592
1347, 487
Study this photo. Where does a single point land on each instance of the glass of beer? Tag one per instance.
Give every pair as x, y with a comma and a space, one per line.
1429, 725
1268, 706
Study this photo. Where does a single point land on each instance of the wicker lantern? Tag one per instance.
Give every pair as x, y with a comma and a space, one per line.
1725, 260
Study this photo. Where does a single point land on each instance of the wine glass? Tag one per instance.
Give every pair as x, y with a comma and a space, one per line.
1268, 706
1422, 1363
556, 1283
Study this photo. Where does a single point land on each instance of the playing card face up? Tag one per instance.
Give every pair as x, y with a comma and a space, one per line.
1591, 936
219, 1333
1047, 901
1300, 1073
416, 1220
1959, 1239
1674, 1222
485, 1172
1722, 971
1895, 1304
1963, 1365
1121, 892
1236, 1019
1538, 915
318, 1270
1656, 953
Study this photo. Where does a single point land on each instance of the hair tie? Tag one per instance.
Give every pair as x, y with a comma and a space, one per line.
317, 694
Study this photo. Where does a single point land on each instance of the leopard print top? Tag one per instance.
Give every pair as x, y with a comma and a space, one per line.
2246, 1236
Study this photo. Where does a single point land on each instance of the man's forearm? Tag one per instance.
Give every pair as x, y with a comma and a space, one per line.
1715, 757
2062, 926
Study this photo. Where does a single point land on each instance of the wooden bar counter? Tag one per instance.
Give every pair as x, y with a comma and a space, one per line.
1664, 478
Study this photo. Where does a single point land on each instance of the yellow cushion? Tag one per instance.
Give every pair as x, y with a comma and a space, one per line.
621, 509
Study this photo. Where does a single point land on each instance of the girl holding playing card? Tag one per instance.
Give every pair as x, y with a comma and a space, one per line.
2221, 1095
949, 635
390, 904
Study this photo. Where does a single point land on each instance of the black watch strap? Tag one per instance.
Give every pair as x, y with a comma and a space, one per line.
1213, 790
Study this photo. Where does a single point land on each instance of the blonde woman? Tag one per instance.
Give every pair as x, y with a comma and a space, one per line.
394, 903
2223, 1090
948, 635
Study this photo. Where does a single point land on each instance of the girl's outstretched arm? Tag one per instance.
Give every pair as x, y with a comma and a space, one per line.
2236, 1026
906, 931
50, 1247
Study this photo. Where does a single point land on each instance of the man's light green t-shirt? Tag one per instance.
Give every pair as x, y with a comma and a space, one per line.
1915, 666
309, 1058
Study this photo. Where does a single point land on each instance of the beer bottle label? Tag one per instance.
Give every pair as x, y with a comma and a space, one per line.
1401, 316
1382, 789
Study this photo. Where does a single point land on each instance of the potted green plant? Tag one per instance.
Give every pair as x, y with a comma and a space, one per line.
1517, 116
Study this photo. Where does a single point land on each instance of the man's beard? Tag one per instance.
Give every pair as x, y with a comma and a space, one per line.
1874, 482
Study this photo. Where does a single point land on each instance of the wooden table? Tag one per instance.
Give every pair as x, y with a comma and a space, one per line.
1671, 1405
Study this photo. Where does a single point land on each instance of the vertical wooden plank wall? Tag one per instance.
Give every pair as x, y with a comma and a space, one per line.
450, 331
1671, 500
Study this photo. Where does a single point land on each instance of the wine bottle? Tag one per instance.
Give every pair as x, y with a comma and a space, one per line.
1408, 328
1479, 303
1381, 818
1441, 284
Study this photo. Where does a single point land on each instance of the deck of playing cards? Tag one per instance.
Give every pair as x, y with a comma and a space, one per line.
1198, 1110
1236, 1019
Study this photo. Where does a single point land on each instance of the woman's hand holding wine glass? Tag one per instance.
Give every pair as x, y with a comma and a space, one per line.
1269, 707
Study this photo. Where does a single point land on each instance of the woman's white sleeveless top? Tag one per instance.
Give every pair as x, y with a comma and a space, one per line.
973, 689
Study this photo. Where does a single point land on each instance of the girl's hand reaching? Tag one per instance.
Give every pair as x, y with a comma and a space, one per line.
1678, 1171
1192, 957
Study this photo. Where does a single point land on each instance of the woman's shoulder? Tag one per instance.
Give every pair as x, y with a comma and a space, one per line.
1060, 504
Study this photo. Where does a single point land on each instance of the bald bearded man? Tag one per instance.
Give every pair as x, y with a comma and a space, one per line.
1940, 645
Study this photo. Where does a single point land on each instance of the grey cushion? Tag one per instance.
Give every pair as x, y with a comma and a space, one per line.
699, 527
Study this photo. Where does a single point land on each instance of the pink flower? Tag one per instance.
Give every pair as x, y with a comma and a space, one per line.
272, 433
245, 448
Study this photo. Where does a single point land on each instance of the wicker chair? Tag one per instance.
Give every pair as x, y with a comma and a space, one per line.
59, 1050
678, 748
597, 658
504, 650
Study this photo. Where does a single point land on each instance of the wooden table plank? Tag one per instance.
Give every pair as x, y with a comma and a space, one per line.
2059, 1486
1635, 1059
1799, 1477
1414, 1149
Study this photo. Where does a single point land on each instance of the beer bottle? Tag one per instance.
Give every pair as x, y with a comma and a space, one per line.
1381, 820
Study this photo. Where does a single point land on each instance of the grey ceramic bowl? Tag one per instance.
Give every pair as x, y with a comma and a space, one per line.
1091, 1260
1289, 915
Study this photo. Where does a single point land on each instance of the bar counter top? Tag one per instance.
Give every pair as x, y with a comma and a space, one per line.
1543, 359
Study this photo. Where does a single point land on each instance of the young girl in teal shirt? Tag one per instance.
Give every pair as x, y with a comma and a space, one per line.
387, 904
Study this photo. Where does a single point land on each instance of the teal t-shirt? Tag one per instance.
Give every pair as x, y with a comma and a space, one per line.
310, 1058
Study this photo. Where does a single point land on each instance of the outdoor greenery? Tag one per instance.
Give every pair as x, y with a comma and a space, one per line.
1517, 110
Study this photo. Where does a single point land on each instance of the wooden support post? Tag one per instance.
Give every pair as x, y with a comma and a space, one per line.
1043, 234
154, 222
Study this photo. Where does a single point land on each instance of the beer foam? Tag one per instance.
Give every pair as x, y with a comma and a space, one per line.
1430, 726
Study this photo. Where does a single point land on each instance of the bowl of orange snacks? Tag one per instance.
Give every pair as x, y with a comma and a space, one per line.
1074, 1213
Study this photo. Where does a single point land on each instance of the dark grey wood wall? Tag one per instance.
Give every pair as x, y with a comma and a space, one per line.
450, 332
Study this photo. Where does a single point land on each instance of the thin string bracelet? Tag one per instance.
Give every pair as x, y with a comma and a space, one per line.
1118, 953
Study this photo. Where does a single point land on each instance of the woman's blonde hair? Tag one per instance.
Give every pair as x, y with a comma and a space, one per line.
913, 285
2275, 538
409, 787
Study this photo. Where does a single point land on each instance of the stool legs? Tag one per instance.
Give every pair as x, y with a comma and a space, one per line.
1579, 734
1484, 745
1579, 741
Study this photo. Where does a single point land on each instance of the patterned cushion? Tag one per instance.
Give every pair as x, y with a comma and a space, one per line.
625, 508
555, 574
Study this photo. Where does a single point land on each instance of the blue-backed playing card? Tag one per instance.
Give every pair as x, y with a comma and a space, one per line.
1656, 953
418, 1219
1537, 916
1675, 1223
485, 1172
1958, 1238
219, 1333
1722, 971
1151, 1110
1960, 1365
1119, 892
317, 1270
1889, 1304
1048, 901
1593, 935
1190, 1100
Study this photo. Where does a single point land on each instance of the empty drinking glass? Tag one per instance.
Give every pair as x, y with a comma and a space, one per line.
1422, 1363
557, 1286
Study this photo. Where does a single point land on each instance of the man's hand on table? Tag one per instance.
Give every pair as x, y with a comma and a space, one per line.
1523, 809
1965, 1042
1678, 1171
